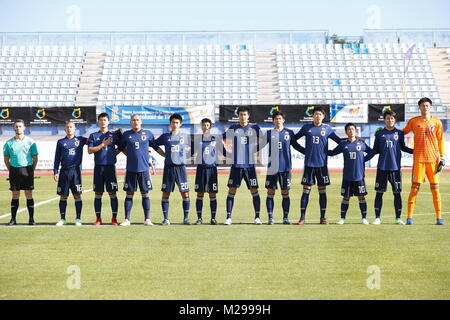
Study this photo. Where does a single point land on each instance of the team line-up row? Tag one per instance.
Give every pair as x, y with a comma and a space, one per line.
21, 156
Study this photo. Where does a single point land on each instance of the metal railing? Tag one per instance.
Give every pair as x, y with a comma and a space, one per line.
260, 40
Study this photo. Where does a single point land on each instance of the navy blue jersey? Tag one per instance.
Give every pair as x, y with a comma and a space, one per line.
69, 153
175, 147
107, 154
206, 150
245, 144
137, 149
280, 142
353, 158
316, 145
389, 144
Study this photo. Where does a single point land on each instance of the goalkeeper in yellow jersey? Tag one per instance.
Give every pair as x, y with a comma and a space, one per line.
428, 156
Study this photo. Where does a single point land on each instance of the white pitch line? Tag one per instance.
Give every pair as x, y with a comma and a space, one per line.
39, 190
37, 205
43, 202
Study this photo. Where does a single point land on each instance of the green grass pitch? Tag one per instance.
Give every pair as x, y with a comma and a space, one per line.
241, 261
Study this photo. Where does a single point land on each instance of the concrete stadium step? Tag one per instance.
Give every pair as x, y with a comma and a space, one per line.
440, 66
89, 85
82, 99
267, 77
85, 104
91, 73
90, 78
87, 92
92, 67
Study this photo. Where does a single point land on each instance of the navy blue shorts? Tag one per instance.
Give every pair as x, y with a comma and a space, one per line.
311, 175
237, 174
394, 178
284, 178
105, 175
206, 180
353, 188
133, 179
69, 179
172, 175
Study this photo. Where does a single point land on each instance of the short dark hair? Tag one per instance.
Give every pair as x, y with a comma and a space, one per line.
278, 113
103, 115
350, 124
19, 120
424, 99
389, 113
243, 109
204, 120
176, 116
320, 109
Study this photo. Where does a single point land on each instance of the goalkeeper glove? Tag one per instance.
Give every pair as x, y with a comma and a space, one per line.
441, 166
119, 133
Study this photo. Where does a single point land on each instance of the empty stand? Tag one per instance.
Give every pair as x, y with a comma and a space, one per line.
353, 74
39, 75
216, 74
172, 75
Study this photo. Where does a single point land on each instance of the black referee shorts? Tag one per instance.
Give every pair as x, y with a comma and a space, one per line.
21, 178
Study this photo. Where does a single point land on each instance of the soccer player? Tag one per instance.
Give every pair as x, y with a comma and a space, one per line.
280, 140
315, 169
243, 137
206, 174
102, 144
353, 183
69, 154
176, 145
21, 157
135, 144
428, 157
389, 143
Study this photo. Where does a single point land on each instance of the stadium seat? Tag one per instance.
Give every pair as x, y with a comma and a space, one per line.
40, 67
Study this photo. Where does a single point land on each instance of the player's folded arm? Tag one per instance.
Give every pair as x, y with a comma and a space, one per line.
406, 149
335, 151
298, 147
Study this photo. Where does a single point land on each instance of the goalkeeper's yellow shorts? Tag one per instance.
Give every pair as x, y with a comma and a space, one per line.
421, 169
